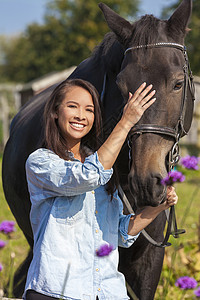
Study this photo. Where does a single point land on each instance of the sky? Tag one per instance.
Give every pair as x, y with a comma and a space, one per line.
15, 15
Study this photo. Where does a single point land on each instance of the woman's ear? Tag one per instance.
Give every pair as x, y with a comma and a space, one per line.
55, 115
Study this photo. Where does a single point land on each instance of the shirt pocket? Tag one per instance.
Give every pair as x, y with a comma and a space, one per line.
69, 210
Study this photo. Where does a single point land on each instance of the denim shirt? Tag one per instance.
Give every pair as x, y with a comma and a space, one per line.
72, 216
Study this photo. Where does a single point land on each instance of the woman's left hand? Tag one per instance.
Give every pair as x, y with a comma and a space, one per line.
172, 197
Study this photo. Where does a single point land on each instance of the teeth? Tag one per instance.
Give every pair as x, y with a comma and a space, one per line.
77, 125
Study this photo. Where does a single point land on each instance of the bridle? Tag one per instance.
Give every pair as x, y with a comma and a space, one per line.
176, 133
178, 130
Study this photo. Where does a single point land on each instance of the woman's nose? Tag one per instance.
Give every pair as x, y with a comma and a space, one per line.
80, 114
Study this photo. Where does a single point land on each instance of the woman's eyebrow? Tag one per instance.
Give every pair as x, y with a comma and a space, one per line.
72, 101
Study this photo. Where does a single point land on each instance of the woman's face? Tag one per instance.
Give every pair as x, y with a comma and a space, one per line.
76, 114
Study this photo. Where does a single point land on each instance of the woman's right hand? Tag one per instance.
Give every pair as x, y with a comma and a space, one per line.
137, 104
133, 111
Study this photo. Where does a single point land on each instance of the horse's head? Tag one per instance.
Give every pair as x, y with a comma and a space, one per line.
164, 66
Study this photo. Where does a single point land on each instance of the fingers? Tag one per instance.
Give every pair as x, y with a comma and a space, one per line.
137, 104
146, 99
141, 92
170, 190
148, 103
172, 197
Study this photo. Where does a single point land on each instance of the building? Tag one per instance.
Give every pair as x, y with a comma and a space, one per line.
28, 90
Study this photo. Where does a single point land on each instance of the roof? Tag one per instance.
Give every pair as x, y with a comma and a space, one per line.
46, 80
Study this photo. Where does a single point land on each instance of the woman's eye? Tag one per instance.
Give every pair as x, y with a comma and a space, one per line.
178, 85
90, 110
71, 105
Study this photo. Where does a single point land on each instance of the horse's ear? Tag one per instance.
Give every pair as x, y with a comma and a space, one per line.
121, 27
178, 22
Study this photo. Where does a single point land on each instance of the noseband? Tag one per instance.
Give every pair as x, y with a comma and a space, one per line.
178, 130
176, 133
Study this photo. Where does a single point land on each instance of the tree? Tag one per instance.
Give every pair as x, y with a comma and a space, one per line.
72, 28
192, 40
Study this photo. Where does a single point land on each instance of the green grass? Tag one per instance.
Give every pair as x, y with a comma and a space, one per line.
181, 259
16, 247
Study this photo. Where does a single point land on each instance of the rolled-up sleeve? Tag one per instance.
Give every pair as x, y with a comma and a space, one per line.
52, 176
124, 239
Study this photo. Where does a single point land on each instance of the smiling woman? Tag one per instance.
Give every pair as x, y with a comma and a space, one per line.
72, 119
75, 117
72, 212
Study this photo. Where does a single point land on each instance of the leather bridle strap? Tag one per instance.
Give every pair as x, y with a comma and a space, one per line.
146, 128
164, 130
179, 128
156, 45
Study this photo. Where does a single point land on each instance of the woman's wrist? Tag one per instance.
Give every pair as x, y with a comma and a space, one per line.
126, 125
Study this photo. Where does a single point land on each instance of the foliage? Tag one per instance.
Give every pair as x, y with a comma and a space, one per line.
193, 37
70, 32
16, 249
183, 257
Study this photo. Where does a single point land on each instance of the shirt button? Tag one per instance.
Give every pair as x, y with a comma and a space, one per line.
93, 192
97, 269
96, 212
96, 230
99, 289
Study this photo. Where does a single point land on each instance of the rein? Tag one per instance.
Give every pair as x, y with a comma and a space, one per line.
175, 133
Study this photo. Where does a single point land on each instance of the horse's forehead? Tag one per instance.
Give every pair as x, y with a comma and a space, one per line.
160, 63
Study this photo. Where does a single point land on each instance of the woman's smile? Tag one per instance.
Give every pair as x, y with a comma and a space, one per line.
76, 115
77, 126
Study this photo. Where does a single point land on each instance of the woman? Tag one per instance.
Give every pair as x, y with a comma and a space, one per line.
72, 213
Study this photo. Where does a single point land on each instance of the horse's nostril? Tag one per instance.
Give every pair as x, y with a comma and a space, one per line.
147, 190
156, 187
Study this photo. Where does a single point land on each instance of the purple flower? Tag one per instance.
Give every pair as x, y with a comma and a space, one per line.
2, 244
7, 226
186, 282
104, 250
190, 162
197, 292
1, 267
172, 177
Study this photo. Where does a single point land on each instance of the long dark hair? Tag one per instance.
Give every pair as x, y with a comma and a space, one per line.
53, 137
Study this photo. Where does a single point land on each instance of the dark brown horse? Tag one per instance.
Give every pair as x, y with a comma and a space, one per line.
116, 73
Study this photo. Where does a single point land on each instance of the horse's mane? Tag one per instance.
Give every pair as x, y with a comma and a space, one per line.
145, 31
110, 51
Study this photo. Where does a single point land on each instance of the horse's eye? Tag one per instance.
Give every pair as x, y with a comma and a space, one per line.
178, 85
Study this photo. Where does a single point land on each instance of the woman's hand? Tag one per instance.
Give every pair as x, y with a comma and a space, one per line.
172, 198
133, 111
142, 219
137, 104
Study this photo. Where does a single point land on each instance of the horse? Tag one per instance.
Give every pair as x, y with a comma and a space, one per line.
149, 50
